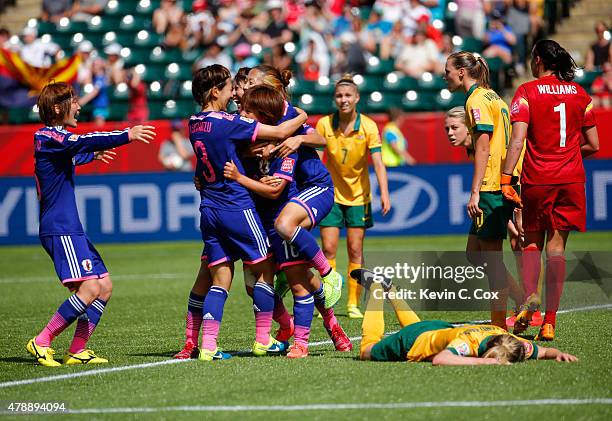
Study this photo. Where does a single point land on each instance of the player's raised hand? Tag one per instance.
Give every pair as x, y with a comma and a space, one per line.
472, 207
230, 171
287, 147
105, 156
508, 191
144, 134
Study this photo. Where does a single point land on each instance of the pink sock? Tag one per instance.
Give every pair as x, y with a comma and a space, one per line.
210, 331
83, 332
263, 325
194, 323
280, 314
56, 325
321, 264
301, 335
329, 318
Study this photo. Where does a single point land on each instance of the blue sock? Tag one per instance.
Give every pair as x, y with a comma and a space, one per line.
213, 313
263, 305
303, 307
305, 243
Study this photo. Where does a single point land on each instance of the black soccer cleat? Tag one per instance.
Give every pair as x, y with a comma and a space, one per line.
366, 277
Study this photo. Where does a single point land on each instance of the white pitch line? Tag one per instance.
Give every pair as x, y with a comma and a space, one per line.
327, 407
166, 362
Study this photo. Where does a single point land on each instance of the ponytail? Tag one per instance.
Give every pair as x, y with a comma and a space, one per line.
556, 59
475, 65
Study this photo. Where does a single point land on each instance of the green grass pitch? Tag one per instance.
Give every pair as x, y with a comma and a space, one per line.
144, 323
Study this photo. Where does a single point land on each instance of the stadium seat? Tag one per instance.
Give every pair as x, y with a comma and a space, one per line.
134, 23
471, 44
302, 86
119, 110
370, 84
585, 79
387, 100
424, 101
377, 66
136, 56
71, 27
159, 55
316, 105
147, 38
436, 83
456, 99
398, 82
178, 71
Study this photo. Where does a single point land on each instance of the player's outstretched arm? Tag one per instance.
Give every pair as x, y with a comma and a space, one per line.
555, 354
448, 358
592, 141
292, 144
283, 130
269, 191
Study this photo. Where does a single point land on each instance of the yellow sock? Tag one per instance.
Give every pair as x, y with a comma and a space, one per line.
404, 313
373, 325
332, 263
354, 289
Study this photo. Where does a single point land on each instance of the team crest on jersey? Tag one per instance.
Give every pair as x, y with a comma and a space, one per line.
463, 349
73, 138
288, 164
86, 263
528, 348
476, 114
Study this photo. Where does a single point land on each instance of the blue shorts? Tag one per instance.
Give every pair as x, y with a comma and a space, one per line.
318, 202
233, 235
75, 258
284, 253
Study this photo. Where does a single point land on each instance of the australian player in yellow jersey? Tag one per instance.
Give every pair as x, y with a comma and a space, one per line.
436, 341
350, 137
487, 118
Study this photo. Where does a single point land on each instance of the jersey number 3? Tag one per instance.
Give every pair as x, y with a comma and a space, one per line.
208, 172
562, 123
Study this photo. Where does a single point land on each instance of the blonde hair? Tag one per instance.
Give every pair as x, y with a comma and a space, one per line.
475, 65
456, 112
346, 79
506, 349
278, 79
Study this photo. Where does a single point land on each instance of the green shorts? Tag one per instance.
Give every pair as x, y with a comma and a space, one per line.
492, 224
349, 216
397, 346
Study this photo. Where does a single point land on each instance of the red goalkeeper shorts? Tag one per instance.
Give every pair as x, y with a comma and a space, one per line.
554, 207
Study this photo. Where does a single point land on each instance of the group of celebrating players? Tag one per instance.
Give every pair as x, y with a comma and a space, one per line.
264, 188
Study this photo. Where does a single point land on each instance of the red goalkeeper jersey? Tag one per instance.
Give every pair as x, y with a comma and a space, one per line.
556, 111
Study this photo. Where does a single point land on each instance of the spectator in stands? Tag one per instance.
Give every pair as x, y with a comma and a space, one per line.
166, 15
138, 110
600, 51
278, 57
213, 54
499, 39
176, 36
244, 30
375, 31
470, 18
98, 96
418, 56
277, 32
85, 50
309, 66
446, 50
84, 10
602, 87
394, 145
391, 45
350, 57
175, 153
116, 74
201, 25
344, 22
34, 51
243, 57
518, 19
392, 10
314, 48
5, 36
414, 14
54, 10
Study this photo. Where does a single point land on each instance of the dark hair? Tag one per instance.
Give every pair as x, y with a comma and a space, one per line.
242, 75
555, 58
278, 79
346, 79
475, 65
205, 80
265, 102
53, 94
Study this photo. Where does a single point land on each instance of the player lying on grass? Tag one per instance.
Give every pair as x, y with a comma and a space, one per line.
459, 136
266, 105
437, 341
77, 262
555, 115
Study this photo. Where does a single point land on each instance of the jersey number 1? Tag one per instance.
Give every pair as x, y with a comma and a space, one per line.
562, 123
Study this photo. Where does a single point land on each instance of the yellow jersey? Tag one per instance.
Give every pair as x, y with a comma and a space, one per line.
347, 157
468, 341
486, 112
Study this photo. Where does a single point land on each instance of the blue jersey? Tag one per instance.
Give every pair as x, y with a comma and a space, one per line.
310, 170
268, 209
56, 152
214, 135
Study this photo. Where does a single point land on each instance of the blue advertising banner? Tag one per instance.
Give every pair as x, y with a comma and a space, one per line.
164, 206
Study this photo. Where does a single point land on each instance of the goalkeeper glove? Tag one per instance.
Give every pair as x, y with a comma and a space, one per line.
508, 191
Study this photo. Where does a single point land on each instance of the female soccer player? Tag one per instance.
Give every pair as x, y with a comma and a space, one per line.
315, 188
554, 114
436, 341
488, 121
231, 228
304, 210
350, 136
77, 262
